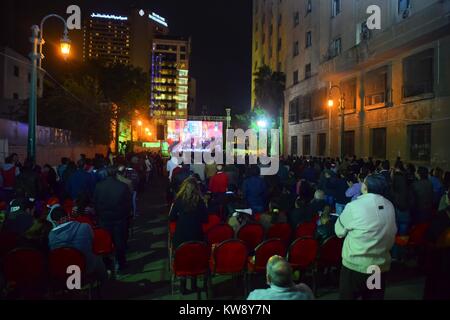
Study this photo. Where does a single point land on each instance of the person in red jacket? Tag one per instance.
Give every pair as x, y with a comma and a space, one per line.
219, 182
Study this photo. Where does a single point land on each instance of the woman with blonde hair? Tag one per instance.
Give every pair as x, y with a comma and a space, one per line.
189, 211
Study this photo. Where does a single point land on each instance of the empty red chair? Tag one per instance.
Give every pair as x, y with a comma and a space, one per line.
306, 230
219, 234
252, 234
59, 260
191, 259
281, 231
330, 253
302, 253
103, 244
263, 253
24, 271
213, 220
8, 241
85, 219
229, 257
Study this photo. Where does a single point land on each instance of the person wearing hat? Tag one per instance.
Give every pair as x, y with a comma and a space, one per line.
73, 234
20, 216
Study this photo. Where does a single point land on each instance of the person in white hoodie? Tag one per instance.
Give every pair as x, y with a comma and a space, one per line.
368, 225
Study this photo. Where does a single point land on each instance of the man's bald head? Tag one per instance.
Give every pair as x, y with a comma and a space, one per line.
279, 272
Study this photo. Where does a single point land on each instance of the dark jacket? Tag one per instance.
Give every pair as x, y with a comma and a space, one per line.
255, 191
422, 200
338, 187
189, 222
400, 191
28, 184
18, 223
79, 182
300, 215
112, 200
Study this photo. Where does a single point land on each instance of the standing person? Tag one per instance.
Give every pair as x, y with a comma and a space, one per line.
422, 197
112, 203
210, 171
338, 187
80, 181
218, 183
368, 225
401, 199
9, 172
28, 183
171, 165
254, 190
148, 168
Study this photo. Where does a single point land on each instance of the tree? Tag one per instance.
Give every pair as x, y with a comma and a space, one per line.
269, 90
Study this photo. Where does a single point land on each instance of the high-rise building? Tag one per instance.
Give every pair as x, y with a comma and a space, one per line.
170, 77
125, 39
395, 81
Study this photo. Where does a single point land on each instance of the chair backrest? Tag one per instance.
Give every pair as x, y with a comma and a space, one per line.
266, 250
60, 259
191, 259
305, 230
302, 253
213, 220
252, 234
102, 244
219, 233
281, 231
85, 219
417, 234
330, 253
172, 228
229, 257
8, 241
24, 267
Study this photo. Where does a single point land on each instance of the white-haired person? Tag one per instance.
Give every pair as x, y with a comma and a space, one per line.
281, 284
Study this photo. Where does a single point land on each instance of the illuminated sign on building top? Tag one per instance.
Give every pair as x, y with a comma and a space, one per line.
157, 18
108, 16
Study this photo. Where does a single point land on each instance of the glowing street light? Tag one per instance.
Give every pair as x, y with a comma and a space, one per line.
65, 46
330, 103
139, 123
262, 123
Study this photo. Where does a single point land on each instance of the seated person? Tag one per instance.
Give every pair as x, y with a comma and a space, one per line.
282, 286
240, 218
272, 216
72, 234
20, 216
325, 226
301, 214
319, 202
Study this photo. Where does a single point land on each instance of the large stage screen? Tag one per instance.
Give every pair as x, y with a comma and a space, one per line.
194, 136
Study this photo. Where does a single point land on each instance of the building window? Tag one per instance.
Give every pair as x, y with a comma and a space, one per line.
305, 107
182, 57
319, 102
309, 7
307, 145
279, 44
183, 49
403, 5
308, 39
349, 91
336, 48
263, 38
335, 7
308, 71
270, 52
293, 110
256, 45
29, 77
296, 18
418, 74
296, 49
295, 76
349, 143
15, 96
379, 143
419, 138
271, 30
16, 71
375, 86
279, 67
280, 20
321, 144
294, 145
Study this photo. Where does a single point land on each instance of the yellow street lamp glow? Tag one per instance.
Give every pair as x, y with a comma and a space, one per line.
139, 123
147, 129
330, 103
149, 133
65, 46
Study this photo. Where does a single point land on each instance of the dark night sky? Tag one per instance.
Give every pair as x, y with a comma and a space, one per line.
220, 30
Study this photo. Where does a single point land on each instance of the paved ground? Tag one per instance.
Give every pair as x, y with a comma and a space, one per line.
149, 276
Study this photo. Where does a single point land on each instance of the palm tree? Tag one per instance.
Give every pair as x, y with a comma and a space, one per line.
269, 90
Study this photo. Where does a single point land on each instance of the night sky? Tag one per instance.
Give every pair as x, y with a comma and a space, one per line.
221, 33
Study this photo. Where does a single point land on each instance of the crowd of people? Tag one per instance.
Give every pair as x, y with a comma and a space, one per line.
369, 203
42, 205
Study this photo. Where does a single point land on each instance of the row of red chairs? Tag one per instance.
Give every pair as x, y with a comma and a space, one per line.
230, 257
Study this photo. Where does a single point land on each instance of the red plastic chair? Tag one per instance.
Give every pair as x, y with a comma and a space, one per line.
59, 260
263, 253
219, 234
85, 219
172, 228
281, 231
302, 256
252, 234
68, 206
257, 217
24, 270
8, 241
103, 244
229, 258
213, 220
306, 230
330, 253
191, 259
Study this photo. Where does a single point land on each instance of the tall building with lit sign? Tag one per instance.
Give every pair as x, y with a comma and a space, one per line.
170, 77
126, 39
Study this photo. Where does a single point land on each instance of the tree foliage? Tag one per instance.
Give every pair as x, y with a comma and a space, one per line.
269, 90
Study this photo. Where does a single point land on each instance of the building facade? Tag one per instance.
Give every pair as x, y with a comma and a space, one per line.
394, 83
125, 39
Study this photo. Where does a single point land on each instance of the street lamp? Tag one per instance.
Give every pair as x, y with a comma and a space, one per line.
37, 40
262, 124
341, 110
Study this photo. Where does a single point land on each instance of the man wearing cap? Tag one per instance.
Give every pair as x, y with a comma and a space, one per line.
20, 216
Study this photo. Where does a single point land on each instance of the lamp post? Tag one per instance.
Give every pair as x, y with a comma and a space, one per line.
342, 114
37, 40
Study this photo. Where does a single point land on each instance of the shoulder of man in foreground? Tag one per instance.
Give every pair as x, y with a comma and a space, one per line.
298, 292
